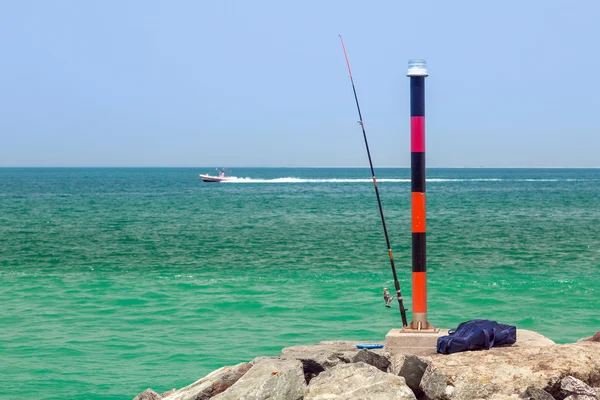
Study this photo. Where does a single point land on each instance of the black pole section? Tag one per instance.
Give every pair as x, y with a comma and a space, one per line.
387, 239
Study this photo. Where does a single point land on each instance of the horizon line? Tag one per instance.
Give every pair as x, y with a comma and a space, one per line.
300, 167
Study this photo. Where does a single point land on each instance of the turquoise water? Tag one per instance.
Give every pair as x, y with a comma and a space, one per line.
115, 280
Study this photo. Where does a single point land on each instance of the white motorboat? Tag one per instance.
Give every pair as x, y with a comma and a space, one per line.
222, 177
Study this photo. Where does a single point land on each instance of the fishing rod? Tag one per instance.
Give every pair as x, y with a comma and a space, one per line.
386, 294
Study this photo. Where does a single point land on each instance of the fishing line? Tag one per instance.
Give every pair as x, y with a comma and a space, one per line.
386, 295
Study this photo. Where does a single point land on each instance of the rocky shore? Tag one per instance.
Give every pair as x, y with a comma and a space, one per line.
533, 368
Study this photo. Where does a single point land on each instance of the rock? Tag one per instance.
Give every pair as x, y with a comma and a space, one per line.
342, 345
311, 368
498, 396
331, 346
574, 389
579, 397
148, 394
595, 338
379, 361
411, 368
165, 394
509, 370
527, 338
357, 381
324, 355
533, 393
268, 379
328, 354
212, 384
262, 358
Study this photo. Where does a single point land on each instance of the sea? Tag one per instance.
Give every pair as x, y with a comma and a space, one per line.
119, 279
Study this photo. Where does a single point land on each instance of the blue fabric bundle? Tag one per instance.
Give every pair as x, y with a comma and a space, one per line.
477, 334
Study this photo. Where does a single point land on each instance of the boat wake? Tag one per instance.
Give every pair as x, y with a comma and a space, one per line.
393, 180
307, 180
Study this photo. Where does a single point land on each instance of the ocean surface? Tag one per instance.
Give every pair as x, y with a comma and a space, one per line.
116, 280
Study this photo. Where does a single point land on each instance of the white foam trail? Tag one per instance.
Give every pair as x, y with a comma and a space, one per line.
368, 180
303, 180
465, 180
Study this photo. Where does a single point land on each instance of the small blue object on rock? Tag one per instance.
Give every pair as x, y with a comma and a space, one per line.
477, 334
369, 346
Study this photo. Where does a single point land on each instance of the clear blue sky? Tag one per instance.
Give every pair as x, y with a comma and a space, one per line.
263, 83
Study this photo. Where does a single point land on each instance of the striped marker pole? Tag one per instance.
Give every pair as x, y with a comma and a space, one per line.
417, 71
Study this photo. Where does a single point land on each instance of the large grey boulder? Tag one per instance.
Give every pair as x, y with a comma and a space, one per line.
411, 368
328, 354
498, 396
357, 381
319, 357
168, 392
580, 397
212, 384
527, 338
258, 359
148, 394
268, 379
377, 360
574, 389
533, 393
510, 370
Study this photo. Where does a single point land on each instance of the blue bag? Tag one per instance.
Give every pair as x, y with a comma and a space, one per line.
477, 334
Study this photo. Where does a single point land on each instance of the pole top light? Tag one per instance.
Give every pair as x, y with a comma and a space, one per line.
417, 68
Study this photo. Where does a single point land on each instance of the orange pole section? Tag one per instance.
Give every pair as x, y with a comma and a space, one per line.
418, 212
419, 296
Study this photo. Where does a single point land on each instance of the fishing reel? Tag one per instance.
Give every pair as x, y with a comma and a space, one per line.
387, 297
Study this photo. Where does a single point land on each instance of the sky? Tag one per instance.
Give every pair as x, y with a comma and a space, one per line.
264, 83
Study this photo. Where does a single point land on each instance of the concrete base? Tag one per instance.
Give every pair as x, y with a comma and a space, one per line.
410, 341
